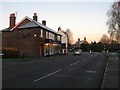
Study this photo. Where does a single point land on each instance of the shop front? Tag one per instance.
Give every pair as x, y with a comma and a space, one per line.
64, 49
51, 48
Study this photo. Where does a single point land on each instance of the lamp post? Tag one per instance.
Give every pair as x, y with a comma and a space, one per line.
104, 48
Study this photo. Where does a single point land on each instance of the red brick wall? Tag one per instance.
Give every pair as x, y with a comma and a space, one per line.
29, 44
25, 41
12, 20
10, 39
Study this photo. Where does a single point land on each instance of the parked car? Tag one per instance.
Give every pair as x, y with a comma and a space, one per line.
77, 52
71, 50
1, 54
118, 51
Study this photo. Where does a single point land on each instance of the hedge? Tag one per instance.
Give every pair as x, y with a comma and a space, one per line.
10, 53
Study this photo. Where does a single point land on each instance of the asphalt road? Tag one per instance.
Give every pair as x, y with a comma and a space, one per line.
62, 71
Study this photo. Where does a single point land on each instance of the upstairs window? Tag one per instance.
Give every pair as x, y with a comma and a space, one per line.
50, 35
53, 36
47, 36
41, 34
58, 38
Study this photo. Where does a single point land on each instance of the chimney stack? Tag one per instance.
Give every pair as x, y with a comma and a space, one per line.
84, 38
12, 20
44, 22
35, 17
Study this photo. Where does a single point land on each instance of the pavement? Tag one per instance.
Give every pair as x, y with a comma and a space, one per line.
111, 75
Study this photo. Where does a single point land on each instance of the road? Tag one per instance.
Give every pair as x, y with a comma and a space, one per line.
62, 71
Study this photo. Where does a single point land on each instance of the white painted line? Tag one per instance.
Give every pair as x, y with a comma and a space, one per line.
47, 75
70, 65
74, 63
102, 86
113, 53
91, 71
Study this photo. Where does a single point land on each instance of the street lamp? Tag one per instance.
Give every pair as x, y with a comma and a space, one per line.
104, 48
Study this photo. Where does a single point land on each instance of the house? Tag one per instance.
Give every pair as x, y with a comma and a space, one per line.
30, 37
64, 40
82, 41
79, 42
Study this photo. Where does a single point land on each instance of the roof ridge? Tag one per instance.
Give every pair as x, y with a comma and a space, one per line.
63, 31
6, 29
44, 26
29, 24
36, 22
26, 17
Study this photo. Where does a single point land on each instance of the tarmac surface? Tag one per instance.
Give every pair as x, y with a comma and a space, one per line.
89, 70
62, 71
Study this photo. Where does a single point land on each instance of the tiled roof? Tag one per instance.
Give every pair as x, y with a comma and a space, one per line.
21, 22
82, 42
45, 27
6, 30
85, 42
28, 25
62, 32
34, 23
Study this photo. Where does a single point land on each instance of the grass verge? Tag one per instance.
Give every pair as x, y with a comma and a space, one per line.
16, 59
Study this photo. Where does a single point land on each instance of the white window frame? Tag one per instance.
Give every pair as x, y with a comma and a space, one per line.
47, 35
53, 36
50, 35
58, 38
41, 33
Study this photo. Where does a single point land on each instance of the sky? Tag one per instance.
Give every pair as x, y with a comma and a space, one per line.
85, 19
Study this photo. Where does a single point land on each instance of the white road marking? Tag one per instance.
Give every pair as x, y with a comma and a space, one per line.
74, 63
73, 77
91, 71
113, 53
47, 75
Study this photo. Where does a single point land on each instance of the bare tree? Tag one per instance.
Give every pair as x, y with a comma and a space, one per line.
69, 36
114, 21
105, 39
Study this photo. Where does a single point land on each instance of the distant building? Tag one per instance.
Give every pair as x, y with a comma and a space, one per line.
0, 42
64, 40
30, 37
79, 42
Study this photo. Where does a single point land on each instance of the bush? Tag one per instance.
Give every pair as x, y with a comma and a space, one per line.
85, 47
113, 47
10, 53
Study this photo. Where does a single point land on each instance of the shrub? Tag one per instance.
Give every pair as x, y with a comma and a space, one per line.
10, 53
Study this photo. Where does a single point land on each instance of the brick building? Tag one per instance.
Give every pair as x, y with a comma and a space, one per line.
80, 42
30, 37
64, 41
